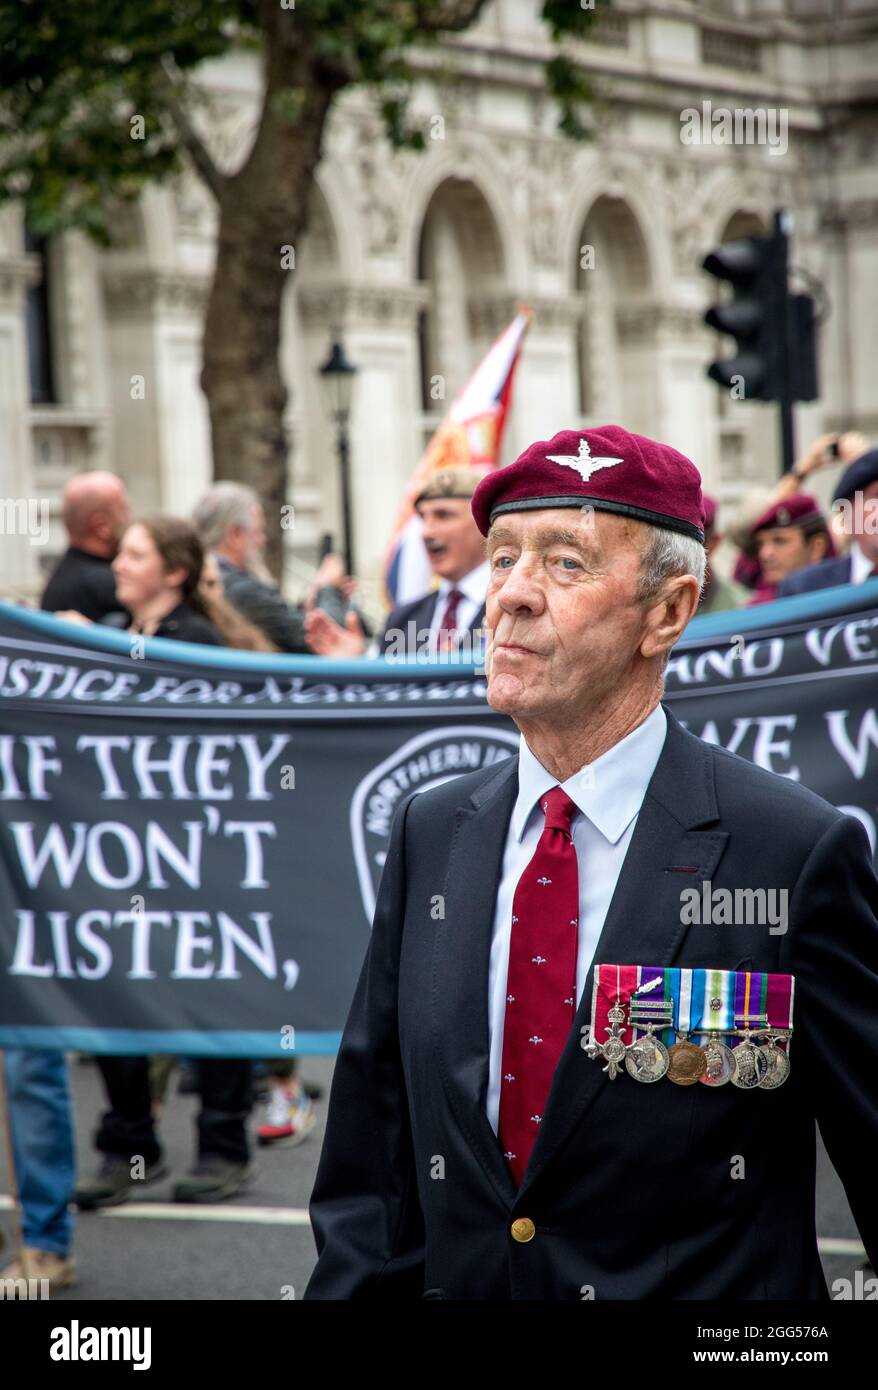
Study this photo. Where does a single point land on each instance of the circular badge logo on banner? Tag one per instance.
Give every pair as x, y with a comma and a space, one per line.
417, 765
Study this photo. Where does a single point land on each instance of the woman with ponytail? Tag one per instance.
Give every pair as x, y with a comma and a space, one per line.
158, 571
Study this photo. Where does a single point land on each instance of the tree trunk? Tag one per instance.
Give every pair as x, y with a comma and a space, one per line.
262, 208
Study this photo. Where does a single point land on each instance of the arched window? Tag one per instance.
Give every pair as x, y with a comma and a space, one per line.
459, 258
613, 275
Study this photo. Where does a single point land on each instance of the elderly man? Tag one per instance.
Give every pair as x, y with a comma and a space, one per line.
95, 512
474, 1148
231, 522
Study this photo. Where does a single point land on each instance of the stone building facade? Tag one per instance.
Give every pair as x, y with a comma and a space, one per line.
421, 259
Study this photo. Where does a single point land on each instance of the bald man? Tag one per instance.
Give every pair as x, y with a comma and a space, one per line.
95, 512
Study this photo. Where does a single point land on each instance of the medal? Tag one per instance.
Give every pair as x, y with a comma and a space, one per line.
647, 1059
686, 1063
716, 1012
614, 1049
718, 1062
777, 1065
748, 1065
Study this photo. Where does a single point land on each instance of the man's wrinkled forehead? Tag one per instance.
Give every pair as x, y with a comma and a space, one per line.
537, 531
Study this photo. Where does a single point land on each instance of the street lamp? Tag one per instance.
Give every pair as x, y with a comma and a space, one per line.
337, 378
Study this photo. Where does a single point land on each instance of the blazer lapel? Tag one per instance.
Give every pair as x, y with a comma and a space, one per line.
461, 953
642, 925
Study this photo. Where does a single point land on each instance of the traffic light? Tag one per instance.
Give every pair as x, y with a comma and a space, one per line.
750, 317
774, 331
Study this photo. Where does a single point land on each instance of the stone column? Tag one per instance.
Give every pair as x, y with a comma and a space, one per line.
19, 551
161, 444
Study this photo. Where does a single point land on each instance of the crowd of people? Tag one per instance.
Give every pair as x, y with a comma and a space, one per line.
204, 580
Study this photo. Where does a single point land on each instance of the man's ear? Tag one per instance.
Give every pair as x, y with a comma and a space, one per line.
670, 614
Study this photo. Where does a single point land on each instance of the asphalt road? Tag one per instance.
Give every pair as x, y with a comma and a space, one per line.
258, 1246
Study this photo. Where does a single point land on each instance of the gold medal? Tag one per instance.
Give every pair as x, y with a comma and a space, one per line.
686, 1063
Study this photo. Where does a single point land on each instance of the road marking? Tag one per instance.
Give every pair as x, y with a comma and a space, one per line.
298, 1216
831, 1245
203, 1211
195, 1211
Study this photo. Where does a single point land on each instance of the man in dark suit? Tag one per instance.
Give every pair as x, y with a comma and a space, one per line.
473, 1149
856, 496
447, 617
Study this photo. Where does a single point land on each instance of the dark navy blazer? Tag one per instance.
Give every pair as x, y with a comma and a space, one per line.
631, 1187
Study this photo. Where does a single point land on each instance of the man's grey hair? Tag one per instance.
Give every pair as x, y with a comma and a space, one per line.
666, 554
224, 505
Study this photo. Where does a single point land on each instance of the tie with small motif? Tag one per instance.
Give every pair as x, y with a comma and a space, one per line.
541, 980
447, 633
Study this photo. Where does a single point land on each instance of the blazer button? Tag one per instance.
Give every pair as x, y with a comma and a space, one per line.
523, 1230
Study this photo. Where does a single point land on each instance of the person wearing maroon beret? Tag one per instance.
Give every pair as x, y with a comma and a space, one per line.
789, 535
480, 1145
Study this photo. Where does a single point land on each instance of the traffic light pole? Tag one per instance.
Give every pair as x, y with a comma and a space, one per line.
783, 229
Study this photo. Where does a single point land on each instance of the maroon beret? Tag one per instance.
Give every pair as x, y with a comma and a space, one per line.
607, 468
801, 509
708, 511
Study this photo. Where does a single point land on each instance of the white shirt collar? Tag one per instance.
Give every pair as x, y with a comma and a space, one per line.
473, 586
861, 565
613, 794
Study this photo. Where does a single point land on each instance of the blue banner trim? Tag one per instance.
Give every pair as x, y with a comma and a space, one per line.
800, 607
135, 1042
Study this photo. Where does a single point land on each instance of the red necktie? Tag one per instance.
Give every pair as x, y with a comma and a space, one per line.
448, 626
541, 980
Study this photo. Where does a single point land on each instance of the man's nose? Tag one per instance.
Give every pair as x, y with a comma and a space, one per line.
518, 588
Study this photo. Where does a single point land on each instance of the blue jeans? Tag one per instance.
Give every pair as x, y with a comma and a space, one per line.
42, 1146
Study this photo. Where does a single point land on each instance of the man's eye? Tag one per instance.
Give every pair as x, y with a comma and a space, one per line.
502, 561
568, 560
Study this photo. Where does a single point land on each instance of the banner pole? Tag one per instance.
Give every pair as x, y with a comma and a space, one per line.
6, 1127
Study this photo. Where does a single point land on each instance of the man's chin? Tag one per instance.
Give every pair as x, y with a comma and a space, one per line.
509, 694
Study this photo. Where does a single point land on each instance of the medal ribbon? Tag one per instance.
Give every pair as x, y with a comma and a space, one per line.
610, 982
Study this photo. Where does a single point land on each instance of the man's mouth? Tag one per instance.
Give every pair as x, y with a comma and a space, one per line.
514, 647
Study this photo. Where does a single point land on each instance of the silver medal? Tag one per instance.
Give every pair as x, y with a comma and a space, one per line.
647, 1059
748, 1066
777, 1065
719, 1063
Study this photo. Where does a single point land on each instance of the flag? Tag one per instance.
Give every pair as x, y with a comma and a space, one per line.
469, 436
